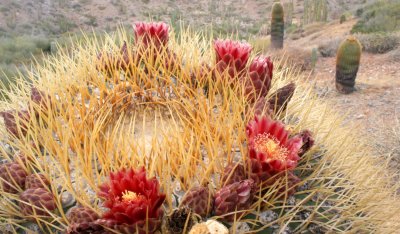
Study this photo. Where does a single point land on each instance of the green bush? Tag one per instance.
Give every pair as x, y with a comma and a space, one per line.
379, 43
329, 48
376, 43
19, 49
8, 73
382, 16
342, 19
395, 57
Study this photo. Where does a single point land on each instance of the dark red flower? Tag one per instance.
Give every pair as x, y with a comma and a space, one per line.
259, 77
13, 177
231, 56
116, 61
233, 172
155, 33
37, 201
40, 98
308, 141
234, 197
134, 202
279, 100
270, 146
16, 122
36, 181
82, 221
198, 199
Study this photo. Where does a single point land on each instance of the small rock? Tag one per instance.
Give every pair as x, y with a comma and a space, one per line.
32, 228
286, 230
291, 201
268, 216
240, 227
360, 116
216, 227
303, 187
200, 228
67, 200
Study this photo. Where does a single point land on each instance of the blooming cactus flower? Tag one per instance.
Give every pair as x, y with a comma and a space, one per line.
259, 76
231, 56
234, 197
134, 202
151, 33
270, 146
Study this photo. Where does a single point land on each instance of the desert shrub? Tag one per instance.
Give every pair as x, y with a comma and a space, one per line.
379, 43
7, 72
394, 55
359, 12
376, 43
291, 28
14, 49
8, 76
296, 57
260, 44
382, 16
342, 19
328, 48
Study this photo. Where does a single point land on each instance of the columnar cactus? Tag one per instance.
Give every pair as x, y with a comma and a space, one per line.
347, 64
315, 11
277, 26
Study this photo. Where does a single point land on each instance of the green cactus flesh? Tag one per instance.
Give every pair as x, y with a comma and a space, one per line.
277, 26
347, 64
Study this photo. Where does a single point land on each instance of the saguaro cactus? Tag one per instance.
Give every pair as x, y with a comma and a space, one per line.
315, 11
289, 8
347, 63
277, 25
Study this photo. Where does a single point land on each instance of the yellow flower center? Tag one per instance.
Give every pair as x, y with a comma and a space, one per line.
270, 145
129, 196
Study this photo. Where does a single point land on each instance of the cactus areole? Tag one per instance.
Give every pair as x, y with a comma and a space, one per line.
347, 64
277, 26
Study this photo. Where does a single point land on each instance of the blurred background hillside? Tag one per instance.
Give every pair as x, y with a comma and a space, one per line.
29, 26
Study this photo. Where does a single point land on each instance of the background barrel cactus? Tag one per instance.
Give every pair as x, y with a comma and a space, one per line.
154, 114
347, 64
277, 26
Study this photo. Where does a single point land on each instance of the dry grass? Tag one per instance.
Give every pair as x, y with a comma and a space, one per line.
188, 138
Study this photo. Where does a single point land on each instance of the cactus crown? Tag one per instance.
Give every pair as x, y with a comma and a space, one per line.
167, 123
349, 53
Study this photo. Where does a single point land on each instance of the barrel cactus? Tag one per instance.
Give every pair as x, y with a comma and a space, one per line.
277, 26
347, 64
120, 137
